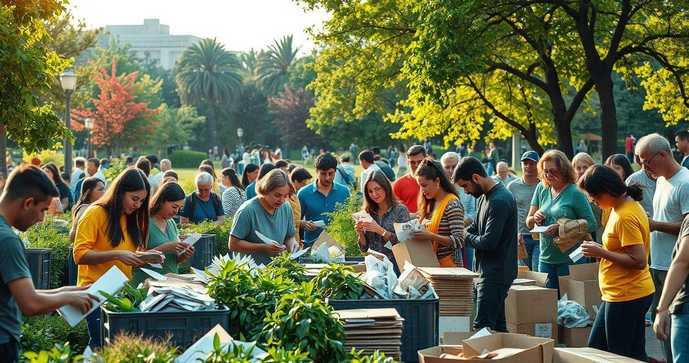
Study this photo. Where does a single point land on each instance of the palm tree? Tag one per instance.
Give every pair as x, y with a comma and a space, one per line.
271, 70
207, 73
249, 63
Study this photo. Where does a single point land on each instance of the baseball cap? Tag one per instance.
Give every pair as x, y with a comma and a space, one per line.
531, 155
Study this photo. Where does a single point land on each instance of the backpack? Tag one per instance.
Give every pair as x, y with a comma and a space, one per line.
192, 198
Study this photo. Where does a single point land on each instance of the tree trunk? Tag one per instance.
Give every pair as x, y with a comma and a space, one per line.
3, 150
532, 138
212, 134
608, 113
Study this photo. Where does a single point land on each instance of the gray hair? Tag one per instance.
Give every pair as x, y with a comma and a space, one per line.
203, 178
654, 143
449, 155
501, 163
166, 163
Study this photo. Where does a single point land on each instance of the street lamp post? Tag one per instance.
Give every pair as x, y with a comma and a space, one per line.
88, 125
68, 80
240, 133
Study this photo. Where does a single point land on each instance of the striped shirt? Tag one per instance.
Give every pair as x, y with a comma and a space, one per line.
451, 225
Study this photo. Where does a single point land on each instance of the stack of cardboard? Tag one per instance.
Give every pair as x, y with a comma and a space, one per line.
532, 309
373, 329
454, 287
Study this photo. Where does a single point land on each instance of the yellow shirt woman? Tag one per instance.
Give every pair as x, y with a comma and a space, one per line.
627, 226
92, 235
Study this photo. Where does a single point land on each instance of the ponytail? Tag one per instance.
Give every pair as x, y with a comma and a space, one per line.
635, 191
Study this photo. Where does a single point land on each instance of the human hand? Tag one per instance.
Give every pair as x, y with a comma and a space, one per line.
129, 258
188, 253
310, 226
359, 227
520, 239
175, 247
82, 301
591, 249
73, 288
661, 327
292, 246
552, 230
273, 250
539, 217
422, 234
373, 227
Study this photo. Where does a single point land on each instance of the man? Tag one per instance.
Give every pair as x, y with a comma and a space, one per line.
348, 167
406, 188
492, 236
353, 149
343, 176
27, 195
503, 174
202, 204
282, 164
461, 150
670, 206
79, 166
648, 181
492, 159
92, 168
321, 196
522, 190
368, 163
165, 165
629, 147
246, 159
449, 161
682, 143
383, 164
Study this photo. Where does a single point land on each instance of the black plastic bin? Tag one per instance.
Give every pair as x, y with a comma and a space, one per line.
183, 327
204, 252
73, 269
421, 321
38, 260
349, 260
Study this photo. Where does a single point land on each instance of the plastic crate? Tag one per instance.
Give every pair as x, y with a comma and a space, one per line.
38, 260
183, 327
204, 252
349, 260
73, 269
421, 321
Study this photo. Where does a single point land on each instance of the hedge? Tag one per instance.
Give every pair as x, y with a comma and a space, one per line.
44, 331
187, 159
47, 234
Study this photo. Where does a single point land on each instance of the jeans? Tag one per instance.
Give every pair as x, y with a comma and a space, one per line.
620, 328
554, 272
658, 277
490, 306
533, 249
470, 258
680, 336
93, 325
9, 352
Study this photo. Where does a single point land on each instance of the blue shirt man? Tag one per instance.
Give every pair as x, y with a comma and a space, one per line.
321, 196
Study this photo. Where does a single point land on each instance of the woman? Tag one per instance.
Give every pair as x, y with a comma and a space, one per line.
386, 210
250, 174
620, 164
582, 162
268, 214
66, 197
170, 176
207, 166
625, 281
162, 234
555, 198
441, 213
252, 190
234, 195
110, 232
226, 160
92, 189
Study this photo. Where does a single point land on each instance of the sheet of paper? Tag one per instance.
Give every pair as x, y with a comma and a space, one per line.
576, 255
320, 224
404, 230
481, 333
362, 216
155, 265
191, 240
267, 240
154, 274
539, 229
299, 253
388, 245
111, 282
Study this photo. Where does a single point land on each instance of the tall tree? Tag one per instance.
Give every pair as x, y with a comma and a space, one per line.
272, 66
291, 110
176, 127
207, 73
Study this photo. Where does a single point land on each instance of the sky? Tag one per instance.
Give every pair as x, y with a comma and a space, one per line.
239, 24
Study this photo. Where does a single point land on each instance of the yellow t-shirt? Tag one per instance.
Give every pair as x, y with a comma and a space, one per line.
627, 226
92, 235
296, 210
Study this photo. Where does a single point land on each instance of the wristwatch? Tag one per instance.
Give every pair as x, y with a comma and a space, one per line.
384, 234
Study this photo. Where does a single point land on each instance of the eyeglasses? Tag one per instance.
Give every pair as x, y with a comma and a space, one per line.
647, 163
552, 172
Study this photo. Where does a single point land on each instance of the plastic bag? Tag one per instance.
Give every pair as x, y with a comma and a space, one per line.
571, 314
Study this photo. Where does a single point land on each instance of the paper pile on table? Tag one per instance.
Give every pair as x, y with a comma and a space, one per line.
373, 329
174, 292
454, 286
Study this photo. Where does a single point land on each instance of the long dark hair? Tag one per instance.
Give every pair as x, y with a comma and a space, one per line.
169, 192
621, 161
57, 179
230, 173
600, 179
130, 180
209, 162
87, 187
432, 170
264, 170
250, 168
390, 198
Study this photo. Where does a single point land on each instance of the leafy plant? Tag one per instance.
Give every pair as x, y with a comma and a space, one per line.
284, 265
222, 234
61, 353
116, 167
47, 234
131, 348
303, 321
376, 357
337, 281
129, 299
341, 226
231, 353
42, 333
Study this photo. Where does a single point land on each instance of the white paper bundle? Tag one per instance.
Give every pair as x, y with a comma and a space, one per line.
111, 282
404, 230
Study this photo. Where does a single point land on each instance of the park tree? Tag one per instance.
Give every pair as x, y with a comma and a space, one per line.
526, 66
176, 127
272, 66
119, 120
291, 110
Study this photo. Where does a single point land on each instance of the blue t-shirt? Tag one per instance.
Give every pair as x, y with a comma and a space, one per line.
314, 204
12, 267
250, 190
203, 210
252, 216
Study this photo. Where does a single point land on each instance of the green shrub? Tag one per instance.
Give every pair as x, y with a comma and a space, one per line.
116, 167
61, 353
222, 234
341, 226
47, 234
129, 348
46, 156
44, 331
338, 282
187, 158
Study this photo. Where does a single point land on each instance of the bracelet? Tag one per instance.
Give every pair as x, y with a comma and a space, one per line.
660, 310
385, 232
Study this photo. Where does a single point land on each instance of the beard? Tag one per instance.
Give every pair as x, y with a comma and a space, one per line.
476, 189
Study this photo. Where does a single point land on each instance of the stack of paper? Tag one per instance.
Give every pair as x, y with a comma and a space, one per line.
174, 293
373, 329
453, 286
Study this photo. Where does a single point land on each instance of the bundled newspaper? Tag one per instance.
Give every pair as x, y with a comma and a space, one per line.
381, 277
403, 230
174, 292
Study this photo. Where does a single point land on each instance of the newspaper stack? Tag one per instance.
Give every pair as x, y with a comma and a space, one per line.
453, 286
373, 329
174, 292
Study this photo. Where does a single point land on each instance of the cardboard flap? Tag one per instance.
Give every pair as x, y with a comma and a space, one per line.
455, 338
539, 277
324, 237
384, 313
474, 347
584, 272
589, 355
418, 253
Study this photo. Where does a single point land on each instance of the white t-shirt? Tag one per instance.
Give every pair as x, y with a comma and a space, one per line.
670, 204
364, 175
649, 189
246, 158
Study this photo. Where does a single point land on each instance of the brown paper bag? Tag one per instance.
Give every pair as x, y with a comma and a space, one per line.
521, 251
571, 233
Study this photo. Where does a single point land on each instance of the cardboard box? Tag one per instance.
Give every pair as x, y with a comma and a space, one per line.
455, 338
515, 348
575, 337
454, 324
582, 286
539, 277
418, 253
588, 355
531, 304
538, 330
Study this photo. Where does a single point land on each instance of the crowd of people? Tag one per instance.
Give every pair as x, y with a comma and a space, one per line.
475, 213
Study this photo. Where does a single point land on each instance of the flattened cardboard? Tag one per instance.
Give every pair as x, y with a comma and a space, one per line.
539, 277
531, 304
418, 253
455, 338
575, 337
538, 330
588, 355
385, 313
324, 237
582, 286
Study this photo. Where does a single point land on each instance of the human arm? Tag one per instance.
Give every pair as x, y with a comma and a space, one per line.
84, 242
497, 217
219, 211
65, 203
633, 257
583, 210
469, 204
666, 227
454, 215
186, 255
676, 276
220, 220
243, 246
32, 302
